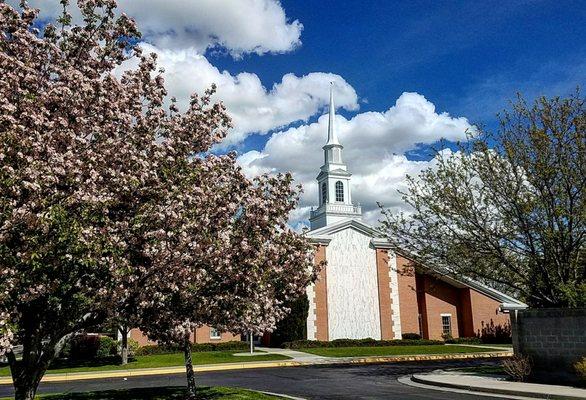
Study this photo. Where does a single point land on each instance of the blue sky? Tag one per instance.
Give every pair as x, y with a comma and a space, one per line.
467, 57
406, 74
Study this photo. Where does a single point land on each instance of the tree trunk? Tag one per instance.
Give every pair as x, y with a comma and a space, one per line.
36, 358
27, 374
191, 389
124, 345
26, 384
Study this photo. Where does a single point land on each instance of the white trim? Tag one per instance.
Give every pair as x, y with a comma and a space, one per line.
395, 305
311, 317
320, 239
445, 315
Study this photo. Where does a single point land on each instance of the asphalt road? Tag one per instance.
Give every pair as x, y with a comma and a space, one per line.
340, 382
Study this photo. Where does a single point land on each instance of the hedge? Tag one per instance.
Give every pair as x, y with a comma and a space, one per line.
195, 347
465, 340
307, 344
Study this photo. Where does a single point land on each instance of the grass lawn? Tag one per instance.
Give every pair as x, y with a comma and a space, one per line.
158, 360
165, 393
392, 350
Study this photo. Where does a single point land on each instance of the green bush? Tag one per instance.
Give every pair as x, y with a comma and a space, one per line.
151, 349
580, 367
195, 347
465, 340
84, 347
411, 336
491, 333
106, 347
133, 347
308, 344
232, 345
294, 325
201, 347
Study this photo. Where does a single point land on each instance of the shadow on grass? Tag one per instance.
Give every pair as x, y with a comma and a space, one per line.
163, 393
62, 363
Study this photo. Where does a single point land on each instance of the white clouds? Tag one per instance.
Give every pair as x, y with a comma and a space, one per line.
253, 108
374, 144
239, 26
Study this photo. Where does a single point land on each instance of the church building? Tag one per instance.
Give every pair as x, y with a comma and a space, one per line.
369, 289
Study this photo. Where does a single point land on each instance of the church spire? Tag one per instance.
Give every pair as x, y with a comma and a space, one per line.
332, 137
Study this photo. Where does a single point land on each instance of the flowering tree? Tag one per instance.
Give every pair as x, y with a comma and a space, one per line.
107, 205
243, 289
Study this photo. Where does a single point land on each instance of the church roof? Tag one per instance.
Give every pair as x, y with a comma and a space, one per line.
324, 236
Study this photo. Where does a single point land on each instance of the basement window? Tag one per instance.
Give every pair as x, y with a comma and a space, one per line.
447, 324
215, 334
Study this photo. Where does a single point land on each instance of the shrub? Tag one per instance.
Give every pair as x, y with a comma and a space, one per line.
201, 347
580, 367
308, 344
84, 347
106, 347
232, 345
518, 367
465, 340
491, 333
447, 337
152, 349
411, 336
294, 325
133, 347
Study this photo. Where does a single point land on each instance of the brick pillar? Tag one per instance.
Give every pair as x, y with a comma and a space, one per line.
384, 294
321, 297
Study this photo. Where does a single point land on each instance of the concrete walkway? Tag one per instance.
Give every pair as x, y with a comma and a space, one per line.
497, 386
294, 355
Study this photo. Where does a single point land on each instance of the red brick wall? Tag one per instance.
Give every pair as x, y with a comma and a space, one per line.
485, 310
469, 309
408, 304
384, 294
321, 297
440, 298
201, 335
466, 321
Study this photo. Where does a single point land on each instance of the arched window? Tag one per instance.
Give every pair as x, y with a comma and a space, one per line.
324, 193
339, 191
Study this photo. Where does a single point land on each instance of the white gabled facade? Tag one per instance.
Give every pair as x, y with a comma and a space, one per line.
368, 289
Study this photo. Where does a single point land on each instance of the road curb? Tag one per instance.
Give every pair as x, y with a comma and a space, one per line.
494, 390
127, 373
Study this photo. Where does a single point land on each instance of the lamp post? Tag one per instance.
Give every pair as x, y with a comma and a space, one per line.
251, 343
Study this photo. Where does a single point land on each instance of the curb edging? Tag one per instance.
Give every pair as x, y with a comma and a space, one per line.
492, 390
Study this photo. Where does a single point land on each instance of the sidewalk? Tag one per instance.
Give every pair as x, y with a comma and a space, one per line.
298, 359
497, 386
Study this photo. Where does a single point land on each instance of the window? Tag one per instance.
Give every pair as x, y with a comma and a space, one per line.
447, 324
339, 191
324, 193
215, 334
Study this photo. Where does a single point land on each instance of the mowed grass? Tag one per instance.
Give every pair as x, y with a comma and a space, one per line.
162, 360
164, 393
393, 350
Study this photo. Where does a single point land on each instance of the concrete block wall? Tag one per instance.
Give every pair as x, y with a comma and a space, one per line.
554, 339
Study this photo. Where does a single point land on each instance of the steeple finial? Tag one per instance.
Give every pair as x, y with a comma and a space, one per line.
332, 137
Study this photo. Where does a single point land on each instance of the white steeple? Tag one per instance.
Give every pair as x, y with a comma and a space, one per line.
332, 137
335, 196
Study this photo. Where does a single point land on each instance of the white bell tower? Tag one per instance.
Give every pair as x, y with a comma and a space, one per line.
335, 195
